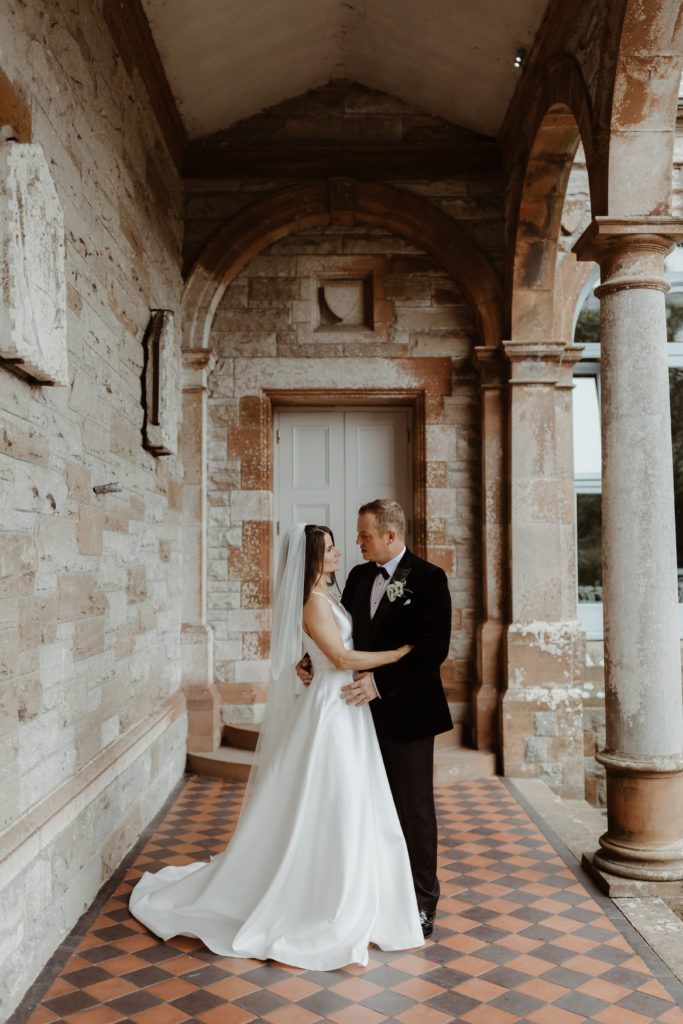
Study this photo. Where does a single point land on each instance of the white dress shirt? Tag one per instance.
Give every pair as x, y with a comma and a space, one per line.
378, 591
380, 584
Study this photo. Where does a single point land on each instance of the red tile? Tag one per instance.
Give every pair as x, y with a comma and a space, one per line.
620, 1015
605, 990
555, 1015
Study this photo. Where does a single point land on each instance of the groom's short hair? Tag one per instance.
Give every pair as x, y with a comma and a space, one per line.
388, 513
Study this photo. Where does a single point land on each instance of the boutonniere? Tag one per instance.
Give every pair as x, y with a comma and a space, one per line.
397, 588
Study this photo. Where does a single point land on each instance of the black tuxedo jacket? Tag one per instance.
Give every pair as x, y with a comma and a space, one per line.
413, 704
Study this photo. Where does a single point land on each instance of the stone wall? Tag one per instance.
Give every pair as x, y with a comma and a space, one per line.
262, 336
91, 721
347, 112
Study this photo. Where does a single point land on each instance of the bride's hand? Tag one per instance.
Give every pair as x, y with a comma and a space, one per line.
402, 651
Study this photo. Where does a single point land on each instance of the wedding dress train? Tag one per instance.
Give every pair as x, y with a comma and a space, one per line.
318, 867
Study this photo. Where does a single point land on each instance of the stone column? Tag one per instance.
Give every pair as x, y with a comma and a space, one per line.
643, 758
196, 651
544, 656
486, 697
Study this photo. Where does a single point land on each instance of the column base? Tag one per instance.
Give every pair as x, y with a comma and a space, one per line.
201, 695
542, 707
487, 693
644, 838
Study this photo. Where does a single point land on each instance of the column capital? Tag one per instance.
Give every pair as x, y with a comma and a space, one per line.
197, 365
630, 252
539, 362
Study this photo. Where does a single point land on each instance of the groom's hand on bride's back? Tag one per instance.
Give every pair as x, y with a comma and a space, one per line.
304, 670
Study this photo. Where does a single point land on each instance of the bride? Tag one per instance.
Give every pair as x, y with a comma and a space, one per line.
317, 867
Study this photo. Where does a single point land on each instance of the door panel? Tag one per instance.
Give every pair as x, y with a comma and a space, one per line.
328, 462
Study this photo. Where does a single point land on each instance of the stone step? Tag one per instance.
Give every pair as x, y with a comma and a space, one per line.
451, 764
243, 735
460, 764
229, 763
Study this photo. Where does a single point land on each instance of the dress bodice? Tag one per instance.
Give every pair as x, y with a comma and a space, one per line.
343, 620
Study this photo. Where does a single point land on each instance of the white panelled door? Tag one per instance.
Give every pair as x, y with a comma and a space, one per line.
328, 462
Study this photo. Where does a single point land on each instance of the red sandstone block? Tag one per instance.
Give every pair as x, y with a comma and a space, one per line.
443, 557
434, 409
242, 441
254, 411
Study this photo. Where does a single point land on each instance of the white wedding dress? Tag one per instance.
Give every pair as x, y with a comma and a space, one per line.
318, 866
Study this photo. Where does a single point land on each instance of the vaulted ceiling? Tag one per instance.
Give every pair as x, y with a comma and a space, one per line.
228, 59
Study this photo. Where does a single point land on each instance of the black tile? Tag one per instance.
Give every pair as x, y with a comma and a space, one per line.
326, 979
387, 977
72, 1002
435, 952
87, 976
622, 976
556, 954
446, 977
114, 931
389, 1003
198, 1002
531, 914
157, 953
146, 976
496, 954
455, 1003
565, 977
486, 933
579, 1002
641, 1002
580, 914
265, 976
609, 954
134, 1002
203, 977
479, 914
506, 977
99, 953
323, 1002
516, 1002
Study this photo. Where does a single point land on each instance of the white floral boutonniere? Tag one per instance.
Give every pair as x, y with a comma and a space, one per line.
397, 588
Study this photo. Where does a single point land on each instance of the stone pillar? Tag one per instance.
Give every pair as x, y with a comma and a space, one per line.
196, 651
486, 697
544, 655
643, 758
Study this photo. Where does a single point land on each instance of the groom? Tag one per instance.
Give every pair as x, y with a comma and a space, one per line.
397, 598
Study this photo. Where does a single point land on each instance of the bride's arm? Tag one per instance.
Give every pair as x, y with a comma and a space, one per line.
319, 623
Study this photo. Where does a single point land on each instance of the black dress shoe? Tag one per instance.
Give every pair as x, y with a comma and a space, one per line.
427, 922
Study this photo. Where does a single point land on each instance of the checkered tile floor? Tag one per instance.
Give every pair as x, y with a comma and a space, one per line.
522, 936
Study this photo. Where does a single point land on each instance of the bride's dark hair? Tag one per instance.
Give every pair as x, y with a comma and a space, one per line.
315, 556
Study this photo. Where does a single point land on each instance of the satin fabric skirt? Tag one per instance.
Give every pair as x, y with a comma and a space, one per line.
317, 868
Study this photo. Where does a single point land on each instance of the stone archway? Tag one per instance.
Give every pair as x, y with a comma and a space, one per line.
341, 201
346, 202
640, 121
542, 711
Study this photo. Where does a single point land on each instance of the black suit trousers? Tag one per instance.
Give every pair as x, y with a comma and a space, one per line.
410, 769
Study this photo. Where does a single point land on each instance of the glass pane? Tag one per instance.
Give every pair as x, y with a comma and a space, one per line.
676, 393
589, 546
674, 317
587, 328
586, 424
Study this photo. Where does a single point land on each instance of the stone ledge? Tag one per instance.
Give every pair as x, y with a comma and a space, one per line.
32, 833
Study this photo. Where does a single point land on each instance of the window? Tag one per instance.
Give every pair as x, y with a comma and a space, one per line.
587, 447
